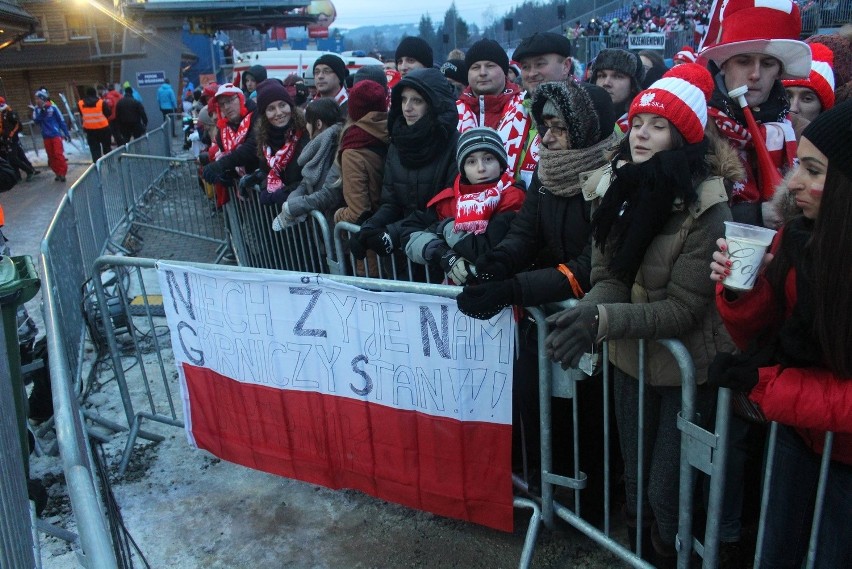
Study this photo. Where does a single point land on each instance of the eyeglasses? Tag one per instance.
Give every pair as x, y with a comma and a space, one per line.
559, 131
223, 101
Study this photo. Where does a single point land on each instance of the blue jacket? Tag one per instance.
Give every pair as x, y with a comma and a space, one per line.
166, 97
50, 120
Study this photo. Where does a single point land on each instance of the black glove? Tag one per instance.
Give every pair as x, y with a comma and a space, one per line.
213, 172
203, 158
355, 248
484, 301
376, 239
493, 266
734, 372
434, 250
575, 333
251, 181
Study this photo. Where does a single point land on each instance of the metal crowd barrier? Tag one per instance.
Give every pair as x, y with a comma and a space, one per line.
304, 247
67, 249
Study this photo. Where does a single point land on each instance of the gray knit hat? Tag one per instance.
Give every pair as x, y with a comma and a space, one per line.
620, 60
373, 73
585, 109
480, 138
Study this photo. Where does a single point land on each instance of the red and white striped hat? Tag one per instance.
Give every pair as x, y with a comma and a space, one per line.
821, 79
680, 96
685, 55
768, 27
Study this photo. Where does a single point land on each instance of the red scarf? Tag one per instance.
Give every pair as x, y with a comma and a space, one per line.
505, 113
278, 162
355, 137
472, 205
780, 142
341, 97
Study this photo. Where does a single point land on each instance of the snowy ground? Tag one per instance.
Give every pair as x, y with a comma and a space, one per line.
187, 509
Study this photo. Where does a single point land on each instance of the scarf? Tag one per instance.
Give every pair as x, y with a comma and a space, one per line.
281, 158
476, 203
341, 97
775, 129
639, 202
419, 143
234, 136
559, 170
317, 155
355, 137
505, 113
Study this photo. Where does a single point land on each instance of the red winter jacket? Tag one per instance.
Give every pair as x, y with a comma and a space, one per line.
813, 400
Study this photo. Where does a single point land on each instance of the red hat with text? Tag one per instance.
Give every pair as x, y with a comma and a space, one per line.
821, 79
767, 27
680, 96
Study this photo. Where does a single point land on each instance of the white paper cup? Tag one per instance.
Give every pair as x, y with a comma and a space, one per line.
747, 245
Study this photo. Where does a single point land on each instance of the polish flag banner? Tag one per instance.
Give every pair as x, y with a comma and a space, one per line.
396, 394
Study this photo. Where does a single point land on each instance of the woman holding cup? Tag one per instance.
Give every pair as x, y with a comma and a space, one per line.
794, 330
664, 197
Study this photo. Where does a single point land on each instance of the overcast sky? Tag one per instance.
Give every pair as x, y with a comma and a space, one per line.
355, 13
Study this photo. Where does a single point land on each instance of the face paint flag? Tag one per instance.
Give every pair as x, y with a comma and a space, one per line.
398, 395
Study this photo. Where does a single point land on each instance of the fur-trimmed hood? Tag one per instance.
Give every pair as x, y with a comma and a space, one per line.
721, 157
782, 207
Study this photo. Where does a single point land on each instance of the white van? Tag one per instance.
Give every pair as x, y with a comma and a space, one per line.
282, 63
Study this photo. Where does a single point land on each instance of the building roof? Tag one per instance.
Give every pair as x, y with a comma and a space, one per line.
45, 56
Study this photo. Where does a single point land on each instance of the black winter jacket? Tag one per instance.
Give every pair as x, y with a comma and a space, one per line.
406, 191
548, 231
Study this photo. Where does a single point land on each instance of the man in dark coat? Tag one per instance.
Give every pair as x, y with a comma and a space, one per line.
130, 116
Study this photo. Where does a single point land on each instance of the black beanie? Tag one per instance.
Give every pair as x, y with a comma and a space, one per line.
622, 61
456, 70
271, 90
335, 63
487, 50
831, 133
415, 48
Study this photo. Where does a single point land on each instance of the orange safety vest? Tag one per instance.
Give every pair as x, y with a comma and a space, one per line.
93, 117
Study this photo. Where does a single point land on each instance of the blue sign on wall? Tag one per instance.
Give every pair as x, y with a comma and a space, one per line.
149, 78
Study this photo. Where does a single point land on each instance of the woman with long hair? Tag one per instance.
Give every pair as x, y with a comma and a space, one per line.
662, 205
320, 185
794, 330
281, 137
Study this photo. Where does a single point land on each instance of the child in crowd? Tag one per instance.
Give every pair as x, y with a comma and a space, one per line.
470, 214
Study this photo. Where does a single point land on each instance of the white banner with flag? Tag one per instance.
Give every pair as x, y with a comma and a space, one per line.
398, 395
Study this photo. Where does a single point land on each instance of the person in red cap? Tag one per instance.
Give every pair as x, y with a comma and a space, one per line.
809, 97
662, 205
685, 55
759, 46
234, 151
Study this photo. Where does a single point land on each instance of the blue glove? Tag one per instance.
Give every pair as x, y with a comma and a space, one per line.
213, 172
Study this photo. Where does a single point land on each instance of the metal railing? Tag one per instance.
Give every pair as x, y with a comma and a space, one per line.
67, 264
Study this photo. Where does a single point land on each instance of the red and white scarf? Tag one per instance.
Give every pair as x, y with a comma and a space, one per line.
622, 123
278, 162
232, 138
513, 125
341, 97
780, 142
475, 207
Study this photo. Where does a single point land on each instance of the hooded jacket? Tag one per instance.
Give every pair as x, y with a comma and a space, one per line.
671, 296
259, 74
406, 190
166, 98
361, 170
